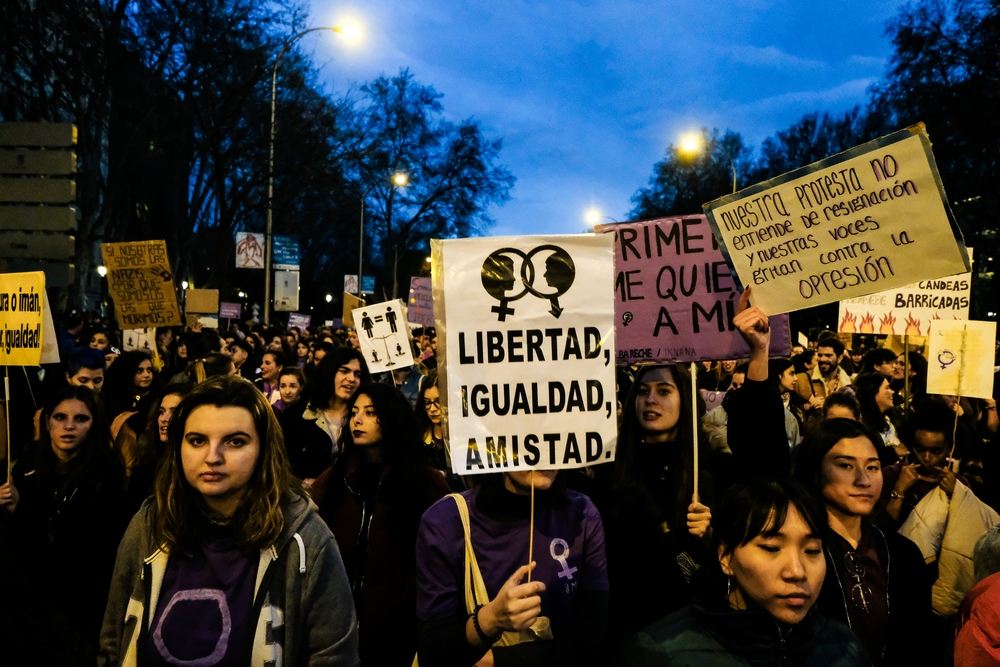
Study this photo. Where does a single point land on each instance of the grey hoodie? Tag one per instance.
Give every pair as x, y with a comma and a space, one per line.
302, 599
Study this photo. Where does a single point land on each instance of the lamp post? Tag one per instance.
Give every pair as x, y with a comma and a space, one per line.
348, 30
399, 179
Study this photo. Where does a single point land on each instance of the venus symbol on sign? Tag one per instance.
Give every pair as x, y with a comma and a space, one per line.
567, 571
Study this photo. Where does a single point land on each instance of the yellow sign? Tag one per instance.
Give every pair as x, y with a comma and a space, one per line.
867, 220
141, 284
960, 358
351, 302
22, 309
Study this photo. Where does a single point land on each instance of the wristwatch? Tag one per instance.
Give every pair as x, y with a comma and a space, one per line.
895, 495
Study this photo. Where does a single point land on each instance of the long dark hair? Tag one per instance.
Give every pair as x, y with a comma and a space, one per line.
177, 518
866, 387
119, 380
424, 422
149, 445
96, 453
630, 439
322, 385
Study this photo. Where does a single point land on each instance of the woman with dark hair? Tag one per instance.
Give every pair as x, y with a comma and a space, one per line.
918, 376
101, 340
228, 563
842, 405
875, 397
301, 353
430, 421
65, 507
152, 441
880, 360
372, 499
870, 572
291, 382
559, 617
646, 500
781, 379
768, 537
839, 464
131, 380
314, 423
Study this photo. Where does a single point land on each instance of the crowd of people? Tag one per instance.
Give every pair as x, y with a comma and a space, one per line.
256, 496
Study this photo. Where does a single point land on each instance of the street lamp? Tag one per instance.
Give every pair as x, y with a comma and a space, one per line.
693, 144
350, 31
399, 179
329, 298
102, 270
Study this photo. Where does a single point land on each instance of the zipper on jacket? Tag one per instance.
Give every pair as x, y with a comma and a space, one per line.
147, 592
840, 585
367, 530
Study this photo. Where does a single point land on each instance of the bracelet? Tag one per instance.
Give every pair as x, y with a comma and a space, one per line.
485, 638
896, 495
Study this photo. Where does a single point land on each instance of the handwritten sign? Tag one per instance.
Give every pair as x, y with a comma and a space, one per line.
420, 305
675, 297
22, 311
249, 250
230, 310
960, 358
299, 320
383, 335
141, 284
869, 219
528, 358
908, 310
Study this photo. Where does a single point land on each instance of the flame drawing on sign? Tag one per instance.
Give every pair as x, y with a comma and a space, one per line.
912, 326
848, 323
887, 324
867, 324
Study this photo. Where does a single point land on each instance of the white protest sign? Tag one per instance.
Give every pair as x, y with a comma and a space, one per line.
527, 364
908, 310
384, 336
960, 358
868, 219
139, 339
249, 250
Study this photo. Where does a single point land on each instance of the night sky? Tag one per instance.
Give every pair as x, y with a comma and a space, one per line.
587, 95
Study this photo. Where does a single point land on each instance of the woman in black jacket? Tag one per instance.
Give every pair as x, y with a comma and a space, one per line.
313, 424
66, 509
869, 572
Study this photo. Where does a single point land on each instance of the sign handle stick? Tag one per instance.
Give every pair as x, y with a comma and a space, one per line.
531, 527
6, 406
694, 424
906, 371
958, 399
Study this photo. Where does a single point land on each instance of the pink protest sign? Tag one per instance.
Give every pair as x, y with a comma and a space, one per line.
675, 297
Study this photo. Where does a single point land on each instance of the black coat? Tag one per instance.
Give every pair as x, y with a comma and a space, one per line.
309, 447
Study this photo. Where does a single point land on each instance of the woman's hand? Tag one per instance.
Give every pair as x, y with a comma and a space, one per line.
908, 474
515, 607
699, 519
9, 498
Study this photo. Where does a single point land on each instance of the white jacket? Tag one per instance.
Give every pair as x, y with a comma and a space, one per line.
947, 531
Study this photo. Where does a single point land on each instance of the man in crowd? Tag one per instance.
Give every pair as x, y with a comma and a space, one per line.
828, 377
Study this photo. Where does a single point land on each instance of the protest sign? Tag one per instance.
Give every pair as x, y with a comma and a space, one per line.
230, 311
350, 303
910, 309
869, 219
299, 320
675, 298
141, 284
384, 336
420, 306
50, 344
249, 250
285, 253
351, 283
526, 343
22, 311
803, 339
960, 358
139, 339
202, 301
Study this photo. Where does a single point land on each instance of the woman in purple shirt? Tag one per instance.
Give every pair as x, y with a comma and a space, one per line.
562, 612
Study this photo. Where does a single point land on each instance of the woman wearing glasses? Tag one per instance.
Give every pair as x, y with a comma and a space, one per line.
869, 572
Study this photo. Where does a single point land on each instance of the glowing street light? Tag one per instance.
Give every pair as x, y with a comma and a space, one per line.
184, 285
102, 270
691, 144
242, 295
400, 179
329, 298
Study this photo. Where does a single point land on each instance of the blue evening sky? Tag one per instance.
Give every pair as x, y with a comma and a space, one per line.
587, 95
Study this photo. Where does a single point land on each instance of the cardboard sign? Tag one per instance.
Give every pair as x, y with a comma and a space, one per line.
230, 311
869, 219
910, 309
249, 250
141, 284
675, 298
351, 283
351, 303
527, 364
22, 313
960, 358
384, 336
803, 339
420, 305
202, 301
139, 339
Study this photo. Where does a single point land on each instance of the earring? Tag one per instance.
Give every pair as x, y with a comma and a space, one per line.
729, 581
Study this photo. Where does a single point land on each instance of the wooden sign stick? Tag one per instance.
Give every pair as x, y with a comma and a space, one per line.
958, 398
6, 406
531, 526
694, 430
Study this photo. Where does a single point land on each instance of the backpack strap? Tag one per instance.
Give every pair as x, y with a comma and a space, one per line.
475, 587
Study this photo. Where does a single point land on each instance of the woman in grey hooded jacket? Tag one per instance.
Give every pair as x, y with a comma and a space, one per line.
228, 563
